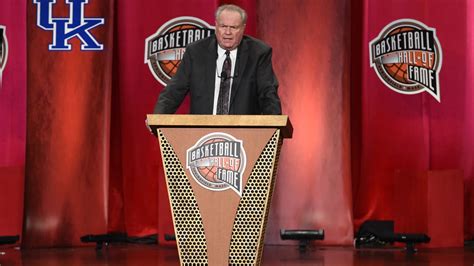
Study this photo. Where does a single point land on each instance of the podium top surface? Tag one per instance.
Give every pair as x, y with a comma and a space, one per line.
243, 121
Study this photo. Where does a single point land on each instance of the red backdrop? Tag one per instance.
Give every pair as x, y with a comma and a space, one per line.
312, 63
360, 150
13, 119
414, 153
69, 99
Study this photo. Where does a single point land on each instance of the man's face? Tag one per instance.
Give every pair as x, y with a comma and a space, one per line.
229, 29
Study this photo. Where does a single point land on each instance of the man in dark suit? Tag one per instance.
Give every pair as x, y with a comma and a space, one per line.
227, 57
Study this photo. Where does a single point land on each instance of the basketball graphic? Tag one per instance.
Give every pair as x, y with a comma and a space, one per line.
398, 70
407, 57
217, 162
170, 67
165, 49
209, 171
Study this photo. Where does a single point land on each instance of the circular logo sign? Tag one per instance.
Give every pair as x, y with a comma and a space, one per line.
217, 162
407, 57
164, 49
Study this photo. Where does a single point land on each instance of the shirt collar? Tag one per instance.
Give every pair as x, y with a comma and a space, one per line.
221, 52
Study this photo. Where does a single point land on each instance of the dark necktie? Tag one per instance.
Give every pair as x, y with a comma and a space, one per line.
223, 99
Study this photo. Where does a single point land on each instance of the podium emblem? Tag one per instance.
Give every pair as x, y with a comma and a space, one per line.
217, 162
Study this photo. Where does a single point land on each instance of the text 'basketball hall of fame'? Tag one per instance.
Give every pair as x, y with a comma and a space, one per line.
165, 48
217, 162
407, 57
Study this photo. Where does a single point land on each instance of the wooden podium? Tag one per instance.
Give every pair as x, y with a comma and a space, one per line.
220, 173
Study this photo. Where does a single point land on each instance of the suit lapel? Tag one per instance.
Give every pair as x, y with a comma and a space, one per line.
242, 56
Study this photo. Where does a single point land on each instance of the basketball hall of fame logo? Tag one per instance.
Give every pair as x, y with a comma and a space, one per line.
217, 162
165, 48
3, 48
407, 57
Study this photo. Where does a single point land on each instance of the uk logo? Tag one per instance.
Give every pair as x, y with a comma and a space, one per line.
65, 29
217, 162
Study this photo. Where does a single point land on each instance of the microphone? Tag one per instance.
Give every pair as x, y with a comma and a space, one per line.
224, 75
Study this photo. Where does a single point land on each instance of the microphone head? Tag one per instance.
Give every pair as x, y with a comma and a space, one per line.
224, 75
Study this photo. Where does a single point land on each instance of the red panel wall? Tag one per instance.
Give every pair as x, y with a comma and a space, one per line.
69, 99
405, 137
311, 60
13, 118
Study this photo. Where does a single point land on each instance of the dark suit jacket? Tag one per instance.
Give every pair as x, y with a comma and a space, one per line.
254, 88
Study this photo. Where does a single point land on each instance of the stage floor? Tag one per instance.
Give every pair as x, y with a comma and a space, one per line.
133, 254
